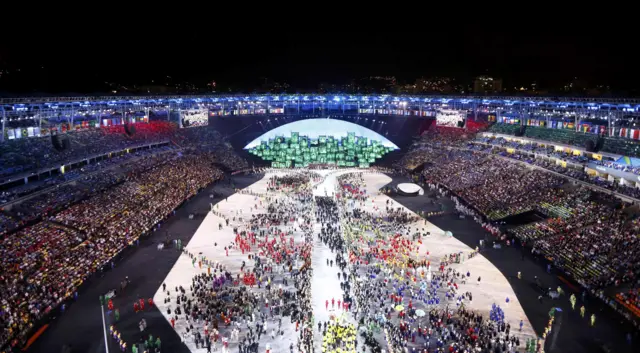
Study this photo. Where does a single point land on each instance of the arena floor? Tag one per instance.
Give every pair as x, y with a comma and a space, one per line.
492, 289
81, 325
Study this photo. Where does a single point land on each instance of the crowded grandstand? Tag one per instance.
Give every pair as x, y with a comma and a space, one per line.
79, 190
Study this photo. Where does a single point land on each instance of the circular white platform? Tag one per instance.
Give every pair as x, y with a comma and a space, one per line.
410, 189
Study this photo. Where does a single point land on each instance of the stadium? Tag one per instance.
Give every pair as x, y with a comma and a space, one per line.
374, 223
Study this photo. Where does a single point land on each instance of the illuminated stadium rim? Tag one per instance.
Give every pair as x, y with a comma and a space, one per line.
51, 103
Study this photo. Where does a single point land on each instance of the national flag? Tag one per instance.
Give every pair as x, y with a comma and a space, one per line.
623, 131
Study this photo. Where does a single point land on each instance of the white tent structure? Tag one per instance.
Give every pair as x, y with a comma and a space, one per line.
313, 128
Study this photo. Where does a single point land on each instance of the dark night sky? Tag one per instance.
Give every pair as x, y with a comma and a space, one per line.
305, 59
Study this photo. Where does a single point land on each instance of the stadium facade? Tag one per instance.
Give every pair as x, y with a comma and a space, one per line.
99, 110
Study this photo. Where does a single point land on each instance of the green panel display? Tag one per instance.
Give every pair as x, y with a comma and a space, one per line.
301, 151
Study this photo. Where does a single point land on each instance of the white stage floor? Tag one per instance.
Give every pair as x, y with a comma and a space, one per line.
494, 287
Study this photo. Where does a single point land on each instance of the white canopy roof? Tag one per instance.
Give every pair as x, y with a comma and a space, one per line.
313, 128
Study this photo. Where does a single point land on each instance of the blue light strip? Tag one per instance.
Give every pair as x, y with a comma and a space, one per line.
631, 106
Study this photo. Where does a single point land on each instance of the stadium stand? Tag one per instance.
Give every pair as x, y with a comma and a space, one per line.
615, 145
621, 146
507, 129
589, 234
565, 136
631, 300
61, 231
480, 144
25, 155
